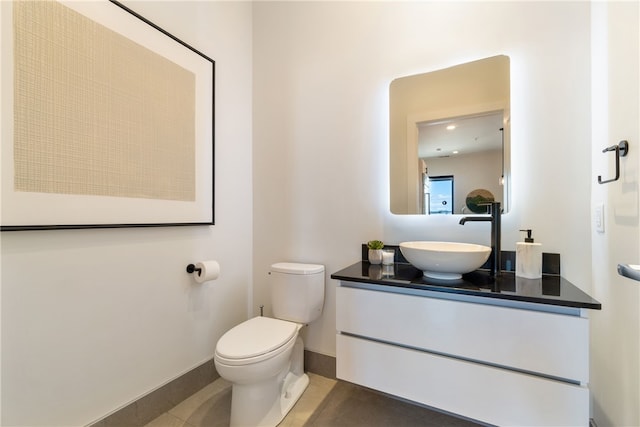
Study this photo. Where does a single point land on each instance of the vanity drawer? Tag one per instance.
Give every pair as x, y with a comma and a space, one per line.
488, 394
550, 344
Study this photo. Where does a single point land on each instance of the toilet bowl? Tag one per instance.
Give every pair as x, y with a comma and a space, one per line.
257, 357
263, 357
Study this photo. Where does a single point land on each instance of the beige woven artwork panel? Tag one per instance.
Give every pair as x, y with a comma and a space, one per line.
97, 114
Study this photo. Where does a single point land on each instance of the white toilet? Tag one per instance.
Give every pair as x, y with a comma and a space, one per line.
263, 357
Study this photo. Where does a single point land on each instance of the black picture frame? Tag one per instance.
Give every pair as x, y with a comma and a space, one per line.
35, 211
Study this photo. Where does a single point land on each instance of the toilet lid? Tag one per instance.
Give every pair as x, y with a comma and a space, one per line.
254, 337
296, 268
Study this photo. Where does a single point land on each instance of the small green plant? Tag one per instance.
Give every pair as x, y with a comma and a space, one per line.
375, 244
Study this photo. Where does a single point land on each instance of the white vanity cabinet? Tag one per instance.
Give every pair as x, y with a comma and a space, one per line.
499, 362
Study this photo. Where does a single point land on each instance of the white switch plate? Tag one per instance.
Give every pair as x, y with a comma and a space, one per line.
598, 215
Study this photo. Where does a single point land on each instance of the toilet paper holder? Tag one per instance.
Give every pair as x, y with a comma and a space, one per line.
191, 268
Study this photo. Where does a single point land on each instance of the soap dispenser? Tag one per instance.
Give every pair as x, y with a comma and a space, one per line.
529, 258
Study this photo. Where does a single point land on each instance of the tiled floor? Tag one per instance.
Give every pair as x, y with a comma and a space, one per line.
210, 406
325, 403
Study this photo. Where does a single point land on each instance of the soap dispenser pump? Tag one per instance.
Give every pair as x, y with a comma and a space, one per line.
529, 258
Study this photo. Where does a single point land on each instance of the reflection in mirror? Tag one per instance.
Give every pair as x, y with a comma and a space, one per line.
450, 139
469, 150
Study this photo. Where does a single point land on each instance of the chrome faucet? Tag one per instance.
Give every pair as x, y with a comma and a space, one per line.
495, 211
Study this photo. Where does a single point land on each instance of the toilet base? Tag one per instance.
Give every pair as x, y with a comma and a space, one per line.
263, 411
294, 386
266, 403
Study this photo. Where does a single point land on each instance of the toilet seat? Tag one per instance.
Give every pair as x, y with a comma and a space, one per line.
255, 340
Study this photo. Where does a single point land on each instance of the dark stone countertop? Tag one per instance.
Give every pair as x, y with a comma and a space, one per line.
550, 290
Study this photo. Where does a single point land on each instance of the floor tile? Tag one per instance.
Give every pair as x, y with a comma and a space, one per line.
210, 407
168, 420
349, 405
325, 403
319, 387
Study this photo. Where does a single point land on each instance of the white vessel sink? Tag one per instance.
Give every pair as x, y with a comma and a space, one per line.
445, 260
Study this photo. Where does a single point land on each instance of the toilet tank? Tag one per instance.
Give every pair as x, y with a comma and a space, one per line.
297, 291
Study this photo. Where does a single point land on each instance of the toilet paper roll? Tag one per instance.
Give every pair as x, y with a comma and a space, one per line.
209, 270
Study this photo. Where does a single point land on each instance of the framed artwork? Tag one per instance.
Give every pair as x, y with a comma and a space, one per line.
107, 120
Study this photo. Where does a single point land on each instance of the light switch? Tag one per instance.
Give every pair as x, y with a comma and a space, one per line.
599, 218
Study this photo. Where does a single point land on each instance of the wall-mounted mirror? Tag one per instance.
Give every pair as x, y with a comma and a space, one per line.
450, 139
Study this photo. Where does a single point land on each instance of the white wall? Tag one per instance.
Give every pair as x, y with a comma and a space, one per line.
321, 76
92, 319
615, 331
